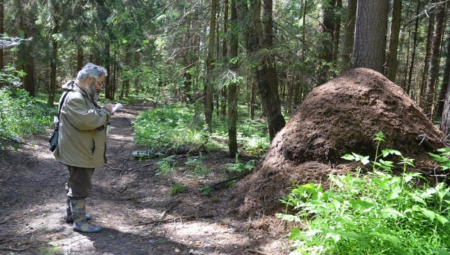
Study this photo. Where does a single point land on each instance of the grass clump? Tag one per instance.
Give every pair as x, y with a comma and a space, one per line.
375, 213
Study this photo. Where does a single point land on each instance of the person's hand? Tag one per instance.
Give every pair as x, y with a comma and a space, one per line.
109, 107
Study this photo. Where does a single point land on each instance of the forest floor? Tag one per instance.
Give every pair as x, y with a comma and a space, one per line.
132, 205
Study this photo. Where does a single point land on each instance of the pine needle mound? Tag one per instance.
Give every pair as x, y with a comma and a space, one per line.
337, 118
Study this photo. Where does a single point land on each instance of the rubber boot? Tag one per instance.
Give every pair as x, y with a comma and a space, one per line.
79, 217
69, 218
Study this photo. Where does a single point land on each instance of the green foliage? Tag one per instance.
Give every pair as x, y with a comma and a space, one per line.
168, 125
240, 167
377, 213
442, 158
9, 75
22, 115
195, 165
177, 189
165, 165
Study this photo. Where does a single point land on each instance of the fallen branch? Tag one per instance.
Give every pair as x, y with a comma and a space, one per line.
174, 218
256, 251
13, 249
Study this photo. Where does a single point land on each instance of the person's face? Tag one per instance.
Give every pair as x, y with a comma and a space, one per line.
98, 84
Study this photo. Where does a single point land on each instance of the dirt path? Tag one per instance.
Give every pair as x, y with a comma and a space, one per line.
132, 205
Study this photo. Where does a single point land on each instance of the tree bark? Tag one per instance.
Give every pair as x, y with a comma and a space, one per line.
337, 29
349, 31
445, 81
54, 58
209, 90
370, 34
233, 89
445, 122
393, 43
433, 71
2, 31
413, 54
80, 57
224, 94
326, 28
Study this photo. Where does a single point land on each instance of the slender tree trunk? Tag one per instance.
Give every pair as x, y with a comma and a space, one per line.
80, 57
433, 72
349, 31
421, 99
370, 34
224, 94
445, 122
25, 54
108, 89
336, 29
252, 99
54, 59
413, 54
209, 90
326, 27
445, 81
2, 31
393, 44
233, 89
137, 81
267, 77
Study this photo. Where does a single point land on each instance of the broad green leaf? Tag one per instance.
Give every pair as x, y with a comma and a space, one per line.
441, 219
381, 183
391, 213
427, 213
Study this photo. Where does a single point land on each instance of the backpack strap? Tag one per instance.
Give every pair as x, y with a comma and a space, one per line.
61, 104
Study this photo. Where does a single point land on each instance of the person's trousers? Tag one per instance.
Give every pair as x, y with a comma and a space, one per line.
79, 184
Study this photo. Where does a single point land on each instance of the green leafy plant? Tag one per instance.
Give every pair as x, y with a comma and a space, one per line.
442, 158
376, 213
240, 167
177, 189
195, 165
21, 115
165, 165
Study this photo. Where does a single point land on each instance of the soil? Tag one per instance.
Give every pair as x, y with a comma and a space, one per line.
138, 214
132, 205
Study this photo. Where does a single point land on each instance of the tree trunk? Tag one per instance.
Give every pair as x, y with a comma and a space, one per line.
433, 71
370, 34
326, 27
267, 77
421, 100
54, 58
336, 29
224, 94
445, 81
209, 90
349, 31
233, 89
108, 89
80, 57
413, 54
2, 31
445, 122
393, 43
25, 55
137, 81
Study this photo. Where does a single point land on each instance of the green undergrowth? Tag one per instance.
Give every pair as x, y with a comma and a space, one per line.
175, 125
22, 115
374, 213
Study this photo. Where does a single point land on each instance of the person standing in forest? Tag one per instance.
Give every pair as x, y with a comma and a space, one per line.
82, 140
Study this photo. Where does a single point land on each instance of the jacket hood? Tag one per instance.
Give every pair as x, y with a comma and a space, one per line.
74, 86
